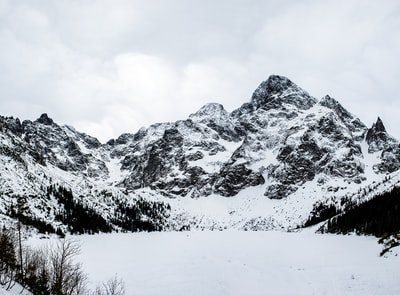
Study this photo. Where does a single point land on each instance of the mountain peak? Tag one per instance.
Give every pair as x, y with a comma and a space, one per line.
278, 90
328, 101
378, 125
376, 129
377, 137
276, 84
209, 110
331, 103
280, 144
44, 119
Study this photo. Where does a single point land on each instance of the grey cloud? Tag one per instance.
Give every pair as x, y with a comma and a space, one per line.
113, 66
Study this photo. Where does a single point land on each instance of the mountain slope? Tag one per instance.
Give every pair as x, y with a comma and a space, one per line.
262, 166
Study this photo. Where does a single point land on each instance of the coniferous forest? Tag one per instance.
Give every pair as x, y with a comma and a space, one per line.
79, 218
380, 216
131, 217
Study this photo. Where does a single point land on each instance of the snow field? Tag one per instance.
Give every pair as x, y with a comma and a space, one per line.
239, 262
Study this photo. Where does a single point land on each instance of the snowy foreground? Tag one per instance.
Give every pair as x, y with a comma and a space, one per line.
238, 262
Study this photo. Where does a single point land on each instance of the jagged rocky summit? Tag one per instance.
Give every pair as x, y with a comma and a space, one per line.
273, 158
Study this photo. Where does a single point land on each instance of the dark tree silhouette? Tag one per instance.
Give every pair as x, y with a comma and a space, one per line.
378, 216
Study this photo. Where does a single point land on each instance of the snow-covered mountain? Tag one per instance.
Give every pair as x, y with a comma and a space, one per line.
262, 166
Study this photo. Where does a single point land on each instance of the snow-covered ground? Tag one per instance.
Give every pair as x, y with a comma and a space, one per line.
239, 262
17, 289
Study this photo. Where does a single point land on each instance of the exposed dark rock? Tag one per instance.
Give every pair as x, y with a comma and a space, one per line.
45, 120
329, 127
124, 139
279, 191
276, 135
233, 179
390, 160
353, 123
277, 91
377, 137
196, 156
9, 123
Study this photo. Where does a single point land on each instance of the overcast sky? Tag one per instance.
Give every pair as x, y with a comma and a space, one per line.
108, 67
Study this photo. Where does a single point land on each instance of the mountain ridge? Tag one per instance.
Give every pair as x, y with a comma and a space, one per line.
283, 151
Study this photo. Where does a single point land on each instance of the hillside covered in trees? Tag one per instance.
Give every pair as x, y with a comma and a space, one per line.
378, 216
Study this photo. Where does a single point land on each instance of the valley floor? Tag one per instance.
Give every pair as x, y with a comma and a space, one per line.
238, 262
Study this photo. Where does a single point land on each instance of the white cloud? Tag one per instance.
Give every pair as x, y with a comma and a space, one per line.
111, 67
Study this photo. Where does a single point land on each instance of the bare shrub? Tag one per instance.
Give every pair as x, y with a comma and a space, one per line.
36, 271
66, 276
48, 272
113, 286
8, 260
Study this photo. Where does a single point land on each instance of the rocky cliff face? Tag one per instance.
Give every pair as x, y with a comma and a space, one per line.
283, 144
379, 141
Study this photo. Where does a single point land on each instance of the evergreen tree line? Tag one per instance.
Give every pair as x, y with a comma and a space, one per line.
142, 216
320, 213
323, 210
78, 217
378, 216
42, 226
47, 272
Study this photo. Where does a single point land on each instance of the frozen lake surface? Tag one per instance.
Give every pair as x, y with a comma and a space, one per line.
238, 262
